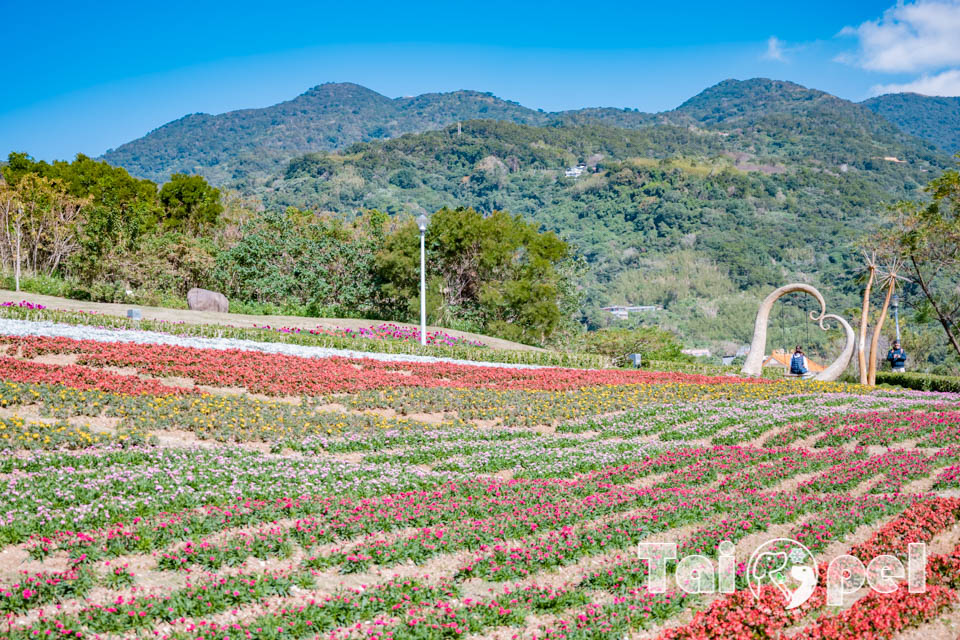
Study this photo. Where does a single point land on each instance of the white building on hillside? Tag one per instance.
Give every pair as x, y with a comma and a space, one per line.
624, 311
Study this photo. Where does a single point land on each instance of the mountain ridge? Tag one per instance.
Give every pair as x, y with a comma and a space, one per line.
243, 146
746, 185
325, 117
933, 118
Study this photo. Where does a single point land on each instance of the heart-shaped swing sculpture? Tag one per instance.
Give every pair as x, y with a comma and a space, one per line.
754, 362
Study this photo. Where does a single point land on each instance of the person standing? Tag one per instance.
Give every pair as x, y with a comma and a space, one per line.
897, 358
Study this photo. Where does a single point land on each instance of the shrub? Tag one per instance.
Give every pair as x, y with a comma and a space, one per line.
920, 381
651, 343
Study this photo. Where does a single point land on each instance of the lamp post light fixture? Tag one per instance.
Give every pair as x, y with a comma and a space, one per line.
422, 221
895, 305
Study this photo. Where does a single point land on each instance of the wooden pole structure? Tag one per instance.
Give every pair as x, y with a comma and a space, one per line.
864, 319
876, 331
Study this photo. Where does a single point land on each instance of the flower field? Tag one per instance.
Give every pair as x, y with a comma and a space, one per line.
380, 339
172, 492
384, 331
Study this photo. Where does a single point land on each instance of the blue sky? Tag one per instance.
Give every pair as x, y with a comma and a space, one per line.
83, 79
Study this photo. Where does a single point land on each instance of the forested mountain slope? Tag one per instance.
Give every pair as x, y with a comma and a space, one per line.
933, 118
229, 147
240, 148
746, 185
684, 217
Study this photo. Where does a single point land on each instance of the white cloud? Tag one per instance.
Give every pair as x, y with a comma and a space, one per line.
774, 49
946, 83
923, 35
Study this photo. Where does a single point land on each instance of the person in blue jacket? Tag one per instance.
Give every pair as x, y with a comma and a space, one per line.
798, 362
897, 357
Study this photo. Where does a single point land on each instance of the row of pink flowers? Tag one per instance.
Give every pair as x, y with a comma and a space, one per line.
23, 304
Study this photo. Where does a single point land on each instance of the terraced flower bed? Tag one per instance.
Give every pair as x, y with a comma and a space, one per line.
275, 374
194, 493
385, 331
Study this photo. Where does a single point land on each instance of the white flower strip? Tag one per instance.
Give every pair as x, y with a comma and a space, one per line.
12, 327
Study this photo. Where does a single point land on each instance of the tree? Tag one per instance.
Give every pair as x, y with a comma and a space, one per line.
302, 259
40, 222
163, 265
927, 234
189, 203
496, 273
119, 210
11, 225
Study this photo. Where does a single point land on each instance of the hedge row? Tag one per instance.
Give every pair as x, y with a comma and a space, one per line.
920, 381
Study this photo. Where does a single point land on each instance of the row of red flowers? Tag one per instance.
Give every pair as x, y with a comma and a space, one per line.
327, 518
283, 374
876, 615
83, 378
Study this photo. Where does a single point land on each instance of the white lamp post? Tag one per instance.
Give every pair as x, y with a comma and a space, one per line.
422, 225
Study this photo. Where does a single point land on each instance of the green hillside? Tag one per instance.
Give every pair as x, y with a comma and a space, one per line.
241, 148
233, 146
933, 118
734, 101
688, 218
698, 210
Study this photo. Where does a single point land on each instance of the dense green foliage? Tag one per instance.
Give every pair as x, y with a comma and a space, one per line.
933, 118
240, 146
924, 236
324, 265
700, 210
189, 203
130, 234
685, 219
920, 381
121, 208
651, 343
496, 273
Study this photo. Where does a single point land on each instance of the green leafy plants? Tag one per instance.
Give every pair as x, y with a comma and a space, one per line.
920, 381
651, 343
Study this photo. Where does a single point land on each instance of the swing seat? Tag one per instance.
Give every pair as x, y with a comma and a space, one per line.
780, 359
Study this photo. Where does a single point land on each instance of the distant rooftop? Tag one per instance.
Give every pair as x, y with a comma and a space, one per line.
631, 309
622, 311
780, 358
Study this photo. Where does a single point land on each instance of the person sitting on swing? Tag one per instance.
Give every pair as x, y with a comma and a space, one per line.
798, 363
897, 358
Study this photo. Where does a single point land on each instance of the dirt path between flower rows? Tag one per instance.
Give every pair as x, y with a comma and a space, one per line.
439, 565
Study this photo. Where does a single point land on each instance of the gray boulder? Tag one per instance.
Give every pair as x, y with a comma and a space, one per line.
204, 300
